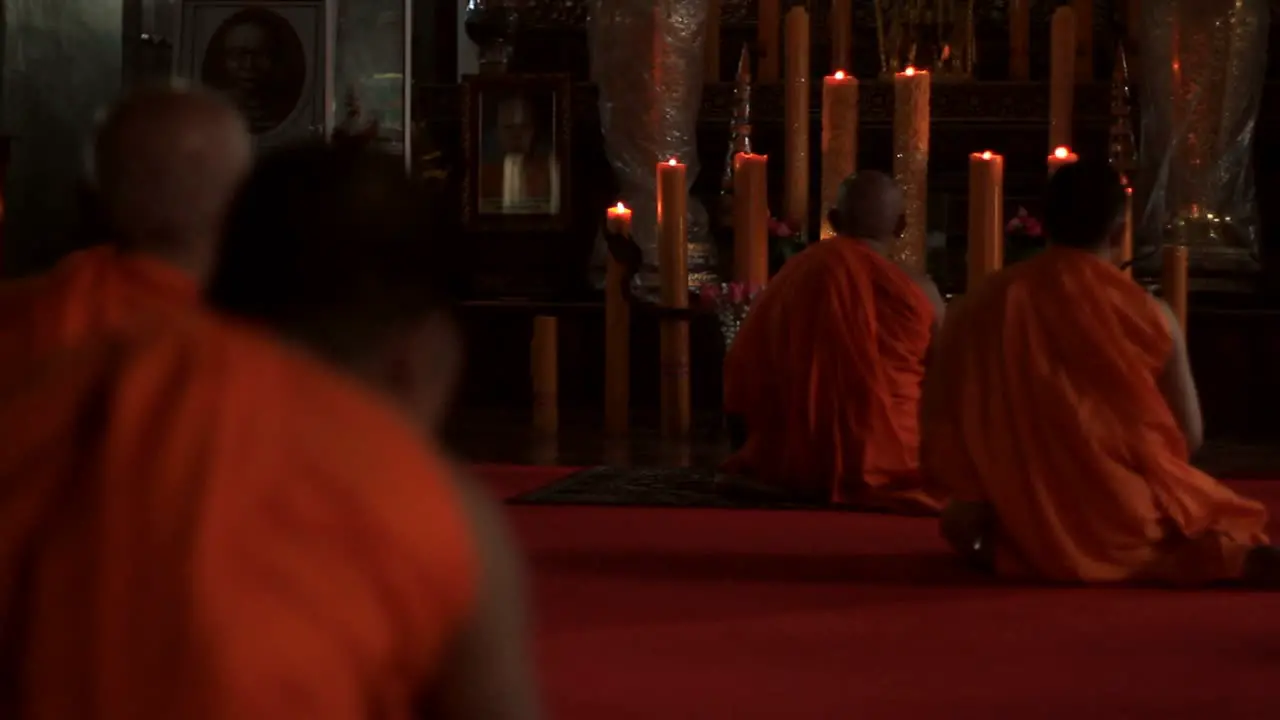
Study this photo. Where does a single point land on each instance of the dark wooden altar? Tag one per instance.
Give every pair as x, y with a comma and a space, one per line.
1235, 336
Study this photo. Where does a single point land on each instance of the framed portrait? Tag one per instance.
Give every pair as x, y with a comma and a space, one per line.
373, 63
273, 59
516, 138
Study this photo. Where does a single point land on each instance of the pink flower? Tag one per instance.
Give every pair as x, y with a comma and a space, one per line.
1022, 223
709, 294
777, 228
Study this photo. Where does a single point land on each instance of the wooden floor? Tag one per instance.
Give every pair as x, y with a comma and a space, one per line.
504, 436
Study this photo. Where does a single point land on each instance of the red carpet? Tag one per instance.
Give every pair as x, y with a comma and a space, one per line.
671, 614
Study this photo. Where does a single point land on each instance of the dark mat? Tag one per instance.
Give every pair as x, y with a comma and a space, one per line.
663, 487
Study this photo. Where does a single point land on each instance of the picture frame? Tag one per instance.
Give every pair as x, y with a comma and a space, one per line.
272, 58
516, 134
373, 74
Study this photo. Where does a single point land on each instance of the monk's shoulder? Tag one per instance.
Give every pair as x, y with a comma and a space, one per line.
352, 469
398, 486
920, 287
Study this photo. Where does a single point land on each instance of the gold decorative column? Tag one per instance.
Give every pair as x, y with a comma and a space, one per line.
795, 194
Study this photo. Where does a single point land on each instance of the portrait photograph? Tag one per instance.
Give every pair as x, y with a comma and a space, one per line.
267, 57
519, 148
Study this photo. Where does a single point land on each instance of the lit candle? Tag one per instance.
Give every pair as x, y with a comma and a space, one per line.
673, 264
841, 20
986, 216
768, 31
617, 333
911, 161
1126, 239
795, 210
839, 139
1060, 156
1084, 39
1174, 281
1062, 76
751, 219
1020, 40
618, 220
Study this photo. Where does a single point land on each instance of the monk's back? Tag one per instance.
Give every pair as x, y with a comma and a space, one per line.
89, 292
239, 533
827, 371
1052, 412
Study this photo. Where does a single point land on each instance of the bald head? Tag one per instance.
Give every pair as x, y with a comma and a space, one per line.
869, 207
166, 165
515, 125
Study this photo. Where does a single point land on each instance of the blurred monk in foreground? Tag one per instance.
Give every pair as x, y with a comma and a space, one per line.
248, 517
825, 374
1061, 413
166, 164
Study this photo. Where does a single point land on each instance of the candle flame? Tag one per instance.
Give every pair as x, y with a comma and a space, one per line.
672, 162
1061, 153
986, 154
620, 207
839, 75
909, 71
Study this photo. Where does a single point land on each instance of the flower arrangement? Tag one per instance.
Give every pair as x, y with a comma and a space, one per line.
784, 243
731, 302
1023, 237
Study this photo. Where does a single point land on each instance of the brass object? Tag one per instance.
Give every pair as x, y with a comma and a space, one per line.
1203, 68
934, 35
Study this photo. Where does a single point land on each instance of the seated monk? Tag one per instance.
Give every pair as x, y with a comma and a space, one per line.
825, 373
1060, 411
518, 177
166, 164
247, 517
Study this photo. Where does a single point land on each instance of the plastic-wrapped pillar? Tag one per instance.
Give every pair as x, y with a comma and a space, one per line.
62, 65
646, 59
1202, 73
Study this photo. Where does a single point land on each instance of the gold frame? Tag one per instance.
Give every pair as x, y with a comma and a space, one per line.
473, 87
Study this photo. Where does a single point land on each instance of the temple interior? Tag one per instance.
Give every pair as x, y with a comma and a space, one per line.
622, 176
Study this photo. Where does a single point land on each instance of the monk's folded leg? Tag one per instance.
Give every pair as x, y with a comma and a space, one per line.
967, 527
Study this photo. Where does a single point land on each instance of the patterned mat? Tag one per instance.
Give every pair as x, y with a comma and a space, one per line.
662, 487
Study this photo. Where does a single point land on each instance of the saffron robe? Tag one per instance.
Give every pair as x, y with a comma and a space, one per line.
88, 293
826, 372
1043, 402
202, 523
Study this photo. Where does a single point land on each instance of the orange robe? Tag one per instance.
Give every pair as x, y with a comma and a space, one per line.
88, 293
826, 372
202, 523
1046, 406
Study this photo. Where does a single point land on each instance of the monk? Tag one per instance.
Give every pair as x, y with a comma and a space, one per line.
248, 516
826, 371
518, 177
1061, 411
166, 163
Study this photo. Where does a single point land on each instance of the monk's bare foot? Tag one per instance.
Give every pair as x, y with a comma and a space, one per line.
967, 527
1262, 568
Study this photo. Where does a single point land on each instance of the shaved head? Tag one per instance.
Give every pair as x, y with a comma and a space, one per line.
869, 206
166, 164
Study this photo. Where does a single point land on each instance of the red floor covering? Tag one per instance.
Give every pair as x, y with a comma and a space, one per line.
672, 614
